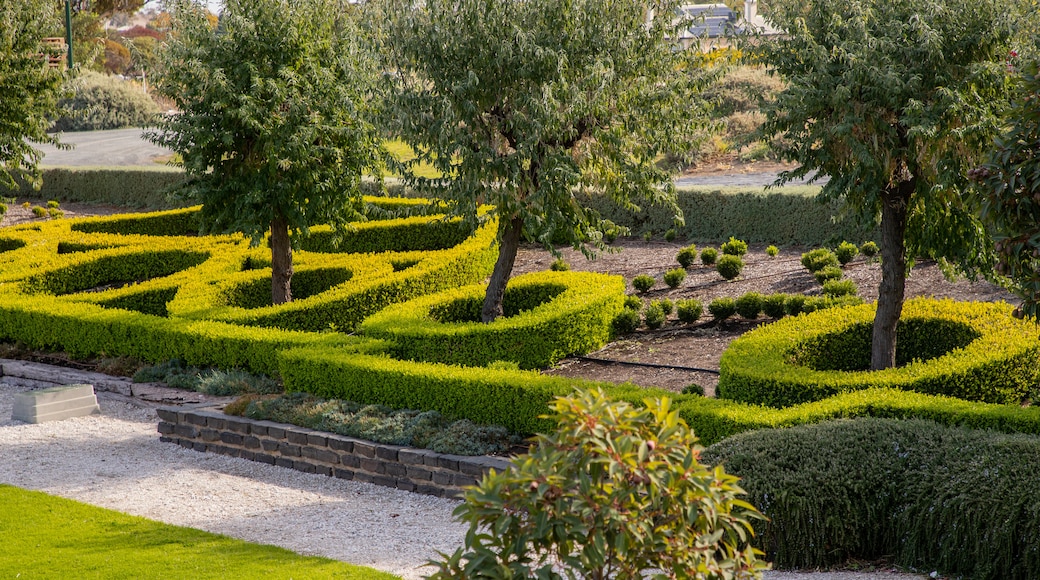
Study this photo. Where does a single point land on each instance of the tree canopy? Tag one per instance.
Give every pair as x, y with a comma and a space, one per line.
30, 89
894, 101
521, 105
275, 118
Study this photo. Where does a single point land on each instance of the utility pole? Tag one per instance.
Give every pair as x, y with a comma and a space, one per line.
68, 31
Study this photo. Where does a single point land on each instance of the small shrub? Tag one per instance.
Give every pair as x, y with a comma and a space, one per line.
708, 256
26, 204
749, 305
773, 305
845, 252
3, 209
581, 495
793, 304
667, 305
503, 365
52, 204
869, 249
693, 389
772, 251
654, 316
626, 322
235, 382
818, 259
734, 247
643, 283
647, 236
729, 266
838, 288
689, 311
828, 274
722, 308
560, 265
687, 256
39, 211
669, 236
674, 278
55, 213
633, 303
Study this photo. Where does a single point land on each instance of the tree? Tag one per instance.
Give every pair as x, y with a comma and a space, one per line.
520, 104
30, 89
894, 101
274, 126
1011, 182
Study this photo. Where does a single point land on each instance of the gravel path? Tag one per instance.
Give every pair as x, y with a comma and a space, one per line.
116, 461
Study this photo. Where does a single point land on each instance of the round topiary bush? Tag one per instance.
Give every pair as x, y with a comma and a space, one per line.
772, 251
560, 265
689, 311
722, 308
828, 274
687, 256
869, 249
970, 350
633, 303
845, 252
818, 259
773, 305
643, 283
654, 316
708, 256
667, 305
838, 288
729, 266
626, 322
749, 305
734, 247
673, 278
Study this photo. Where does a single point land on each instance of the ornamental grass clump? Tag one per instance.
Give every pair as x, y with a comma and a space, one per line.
617, 491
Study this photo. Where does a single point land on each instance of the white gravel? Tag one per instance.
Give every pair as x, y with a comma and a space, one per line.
115, 460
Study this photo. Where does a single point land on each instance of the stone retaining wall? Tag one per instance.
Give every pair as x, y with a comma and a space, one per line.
416, 470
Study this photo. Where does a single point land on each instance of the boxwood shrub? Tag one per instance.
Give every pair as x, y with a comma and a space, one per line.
973, 351
548, 315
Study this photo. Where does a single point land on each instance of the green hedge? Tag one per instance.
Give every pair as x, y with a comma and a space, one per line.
998, 363
129, 187
931, 497
176, 222
549, 315
784, 215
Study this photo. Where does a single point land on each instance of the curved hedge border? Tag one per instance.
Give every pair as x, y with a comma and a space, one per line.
1000, 366
557, 314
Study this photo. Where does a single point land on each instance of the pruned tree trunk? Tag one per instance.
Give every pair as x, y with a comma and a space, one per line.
496, 289
895, 202
281, 261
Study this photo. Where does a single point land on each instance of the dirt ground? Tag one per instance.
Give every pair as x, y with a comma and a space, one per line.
697, 346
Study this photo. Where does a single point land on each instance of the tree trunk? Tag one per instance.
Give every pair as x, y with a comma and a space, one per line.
496, 289
281, 261
895, 201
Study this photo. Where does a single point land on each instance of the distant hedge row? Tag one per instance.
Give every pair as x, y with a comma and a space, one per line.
786, 215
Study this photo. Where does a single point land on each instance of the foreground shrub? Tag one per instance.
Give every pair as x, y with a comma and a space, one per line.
818, 259
930, 496
673, 278
708, 256
729, 266
643, 283
103, 102
689, 311
616, 491
425, 430
687, 256
749, 305
722, 308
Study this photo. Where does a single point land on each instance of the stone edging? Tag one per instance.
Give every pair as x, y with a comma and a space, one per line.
205, 428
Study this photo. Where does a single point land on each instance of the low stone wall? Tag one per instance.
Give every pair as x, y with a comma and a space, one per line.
416, 470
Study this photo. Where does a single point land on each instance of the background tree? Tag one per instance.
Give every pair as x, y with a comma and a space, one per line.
894, 100
1011, 182
30, 89
274, 125
522, 104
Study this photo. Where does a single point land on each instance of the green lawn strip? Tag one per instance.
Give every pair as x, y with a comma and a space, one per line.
50, 537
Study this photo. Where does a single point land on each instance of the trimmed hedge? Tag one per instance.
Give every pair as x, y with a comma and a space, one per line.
933, 497
129, 187
549, 315
991, 356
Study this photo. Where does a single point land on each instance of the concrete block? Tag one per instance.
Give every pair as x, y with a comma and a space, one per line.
55, 404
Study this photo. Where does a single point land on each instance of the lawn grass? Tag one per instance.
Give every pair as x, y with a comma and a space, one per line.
402, 152
43, 536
